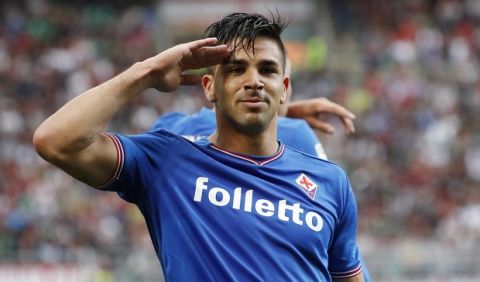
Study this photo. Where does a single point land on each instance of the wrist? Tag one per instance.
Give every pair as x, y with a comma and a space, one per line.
291, 110
141, 76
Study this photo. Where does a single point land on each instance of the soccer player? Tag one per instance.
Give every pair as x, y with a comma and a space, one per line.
238, 207
294, 133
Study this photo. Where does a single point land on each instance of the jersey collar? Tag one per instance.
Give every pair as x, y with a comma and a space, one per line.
252, 159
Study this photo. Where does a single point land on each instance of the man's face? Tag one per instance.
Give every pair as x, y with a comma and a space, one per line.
247, 88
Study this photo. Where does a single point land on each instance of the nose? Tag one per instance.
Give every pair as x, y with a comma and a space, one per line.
253, 80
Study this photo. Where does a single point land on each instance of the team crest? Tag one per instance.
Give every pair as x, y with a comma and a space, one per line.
307, 185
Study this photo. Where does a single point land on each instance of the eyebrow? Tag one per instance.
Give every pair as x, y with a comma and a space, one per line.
272, 63
235, 62
243, 62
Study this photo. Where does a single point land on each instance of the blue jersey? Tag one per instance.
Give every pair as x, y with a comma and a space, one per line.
215, 215
202, 124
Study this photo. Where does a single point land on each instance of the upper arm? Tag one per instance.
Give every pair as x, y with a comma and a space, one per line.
95, 165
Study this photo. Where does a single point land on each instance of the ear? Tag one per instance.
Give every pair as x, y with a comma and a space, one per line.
286, 83
208, 89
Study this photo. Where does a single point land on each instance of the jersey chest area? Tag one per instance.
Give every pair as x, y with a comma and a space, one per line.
233, 199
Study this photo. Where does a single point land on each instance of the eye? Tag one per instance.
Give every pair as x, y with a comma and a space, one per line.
236, 70
268, 70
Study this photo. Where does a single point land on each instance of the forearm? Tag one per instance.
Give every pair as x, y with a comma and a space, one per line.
76, 125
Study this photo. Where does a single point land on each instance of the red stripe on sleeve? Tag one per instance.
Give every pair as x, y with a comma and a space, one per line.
120, 160
347, 274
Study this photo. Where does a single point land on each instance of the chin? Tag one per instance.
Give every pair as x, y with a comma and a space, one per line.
254, 123
255, 128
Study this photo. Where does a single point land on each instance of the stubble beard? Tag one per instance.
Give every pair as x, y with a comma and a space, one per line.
252, 123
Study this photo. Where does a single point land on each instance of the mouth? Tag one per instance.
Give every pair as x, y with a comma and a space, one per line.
253, 102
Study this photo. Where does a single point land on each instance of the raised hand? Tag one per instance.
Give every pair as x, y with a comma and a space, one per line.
168, 67
72, 138
311, 109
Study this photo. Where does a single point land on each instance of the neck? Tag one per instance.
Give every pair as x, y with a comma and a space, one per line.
258, 144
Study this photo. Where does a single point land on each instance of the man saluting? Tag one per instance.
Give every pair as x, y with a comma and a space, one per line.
239, 206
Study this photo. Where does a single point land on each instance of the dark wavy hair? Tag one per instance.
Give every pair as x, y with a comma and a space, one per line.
242, 29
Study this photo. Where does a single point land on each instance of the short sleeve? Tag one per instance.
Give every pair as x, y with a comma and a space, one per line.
140, 159
344, 257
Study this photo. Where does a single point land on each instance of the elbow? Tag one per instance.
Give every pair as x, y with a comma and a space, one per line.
56, 146
44, 144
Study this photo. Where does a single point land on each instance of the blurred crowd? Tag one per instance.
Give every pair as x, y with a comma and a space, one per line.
412, 79
414, 85
48, 54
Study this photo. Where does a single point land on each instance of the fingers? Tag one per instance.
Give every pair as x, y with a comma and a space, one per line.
324, 105
203, 53
210, 56
197, 44
324, 127
330, 107
348, 125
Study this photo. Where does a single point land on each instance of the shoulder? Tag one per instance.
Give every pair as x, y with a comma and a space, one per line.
286, 122
167, 120
295, 128
295, 154
151, 140
313, 163
155, 145
297, 134
177, 122
148, 136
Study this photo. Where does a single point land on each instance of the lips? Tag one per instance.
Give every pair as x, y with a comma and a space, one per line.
252, 100
253, 97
